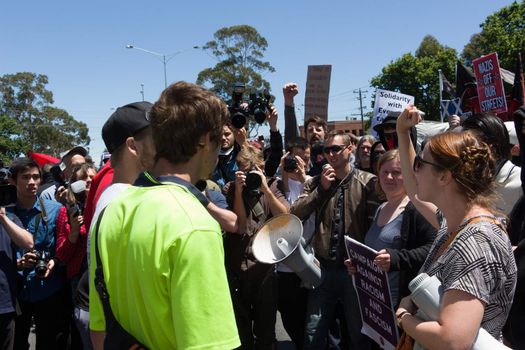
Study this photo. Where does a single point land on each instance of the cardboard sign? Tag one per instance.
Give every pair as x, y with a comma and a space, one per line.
317, 90
373, 292
388, 101
490, 84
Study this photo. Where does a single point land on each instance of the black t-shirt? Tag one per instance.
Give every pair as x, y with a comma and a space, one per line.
8, 275
81, 296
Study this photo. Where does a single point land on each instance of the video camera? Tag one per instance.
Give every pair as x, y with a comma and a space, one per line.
8, 196
59, 177
78, 188
258, 106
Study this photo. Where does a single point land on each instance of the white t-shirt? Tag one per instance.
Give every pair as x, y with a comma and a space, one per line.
508, 186
110, 193
295, 189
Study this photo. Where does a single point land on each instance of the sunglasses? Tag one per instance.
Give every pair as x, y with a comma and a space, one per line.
418, 163
334, 149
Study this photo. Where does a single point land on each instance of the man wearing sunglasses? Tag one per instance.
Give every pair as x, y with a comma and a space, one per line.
344, 202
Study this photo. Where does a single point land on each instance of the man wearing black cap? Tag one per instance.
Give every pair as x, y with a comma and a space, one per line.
386, 131
127, 137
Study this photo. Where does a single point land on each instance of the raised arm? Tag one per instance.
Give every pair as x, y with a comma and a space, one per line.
276, 145
410, 117
291, 129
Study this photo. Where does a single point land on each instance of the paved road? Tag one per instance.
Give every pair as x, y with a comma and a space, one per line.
283, 340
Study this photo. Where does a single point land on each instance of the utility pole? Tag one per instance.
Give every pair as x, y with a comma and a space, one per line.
361, 108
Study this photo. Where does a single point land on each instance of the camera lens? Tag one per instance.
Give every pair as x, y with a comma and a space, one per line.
238, 120
253, 181
290, 164
259, 114
41, 268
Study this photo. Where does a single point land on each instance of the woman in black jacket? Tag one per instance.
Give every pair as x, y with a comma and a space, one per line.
514, 329
399, 233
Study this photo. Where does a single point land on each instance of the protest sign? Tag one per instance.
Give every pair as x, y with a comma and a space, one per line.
317, 90
373, 293
388, 101
490, 84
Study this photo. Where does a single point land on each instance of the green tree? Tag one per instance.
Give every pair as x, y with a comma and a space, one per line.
417, 75
11, 145
239, 51
502, 32
25, 101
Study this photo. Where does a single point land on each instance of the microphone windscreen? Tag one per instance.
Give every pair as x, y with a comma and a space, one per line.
78, 186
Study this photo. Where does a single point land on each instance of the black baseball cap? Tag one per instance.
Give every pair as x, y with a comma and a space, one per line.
126, 122
75, 150
390, 120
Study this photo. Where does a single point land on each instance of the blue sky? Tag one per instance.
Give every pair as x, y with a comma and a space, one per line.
80, 46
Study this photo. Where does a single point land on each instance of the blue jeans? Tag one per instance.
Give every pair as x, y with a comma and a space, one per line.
337, 285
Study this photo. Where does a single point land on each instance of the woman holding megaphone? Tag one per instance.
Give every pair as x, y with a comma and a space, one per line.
472, 255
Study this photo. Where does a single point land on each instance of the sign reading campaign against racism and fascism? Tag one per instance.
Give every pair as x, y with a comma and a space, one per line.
490, 84
317, 90
388, 101
373, 293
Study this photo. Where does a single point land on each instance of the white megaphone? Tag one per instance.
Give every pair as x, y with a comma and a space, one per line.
427, 294
281, 240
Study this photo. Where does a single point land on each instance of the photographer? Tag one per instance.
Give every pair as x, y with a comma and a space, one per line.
292, 297
12, 235
71, 159
254, 199
231, 142
44, 293
293, 167
71, 233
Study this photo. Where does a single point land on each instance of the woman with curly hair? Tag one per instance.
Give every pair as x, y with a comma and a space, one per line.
472, 255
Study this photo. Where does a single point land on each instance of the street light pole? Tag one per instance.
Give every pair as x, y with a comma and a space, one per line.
163, 57
165, 76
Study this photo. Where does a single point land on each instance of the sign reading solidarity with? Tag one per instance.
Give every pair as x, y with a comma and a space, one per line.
317, 89
388, 101
373, 293
490, 84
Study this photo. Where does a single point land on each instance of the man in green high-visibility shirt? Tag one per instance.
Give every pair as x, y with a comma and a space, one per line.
161, 252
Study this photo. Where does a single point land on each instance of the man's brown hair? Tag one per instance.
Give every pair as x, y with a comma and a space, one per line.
345, 137
316, 120
182, 115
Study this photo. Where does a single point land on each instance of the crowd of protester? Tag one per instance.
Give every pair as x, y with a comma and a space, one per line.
153, 248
